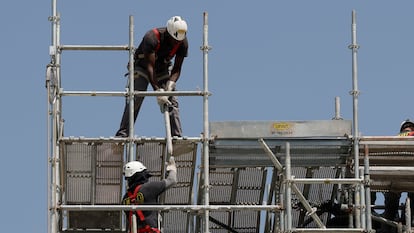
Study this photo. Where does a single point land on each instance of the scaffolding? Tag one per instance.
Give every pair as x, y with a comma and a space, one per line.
249, 176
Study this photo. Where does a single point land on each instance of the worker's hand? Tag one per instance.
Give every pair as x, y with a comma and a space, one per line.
162, 100
170, 86
171, 165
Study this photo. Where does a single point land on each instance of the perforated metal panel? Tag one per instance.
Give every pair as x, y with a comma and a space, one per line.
236, 186
316, 194
92, 175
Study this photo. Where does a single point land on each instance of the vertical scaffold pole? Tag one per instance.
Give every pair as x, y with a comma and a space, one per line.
205, 48
130, 152
53, 123
288, 193
355, 93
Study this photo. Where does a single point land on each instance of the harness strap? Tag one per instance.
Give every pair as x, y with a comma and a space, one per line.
140, 214
148, 229
173, 50
157, 34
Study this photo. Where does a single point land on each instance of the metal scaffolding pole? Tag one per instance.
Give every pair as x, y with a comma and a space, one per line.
355, 93
53, 84
206, 135
288, 194
131, 90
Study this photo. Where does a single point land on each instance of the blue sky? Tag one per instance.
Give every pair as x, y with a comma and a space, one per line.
271, 60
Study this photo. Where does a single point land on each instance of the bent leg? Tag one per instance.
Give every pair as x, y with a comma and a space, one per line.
140, 84
176, 129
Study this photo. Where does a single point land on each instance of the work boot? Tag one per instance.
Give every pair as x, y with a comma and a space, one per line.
121, 134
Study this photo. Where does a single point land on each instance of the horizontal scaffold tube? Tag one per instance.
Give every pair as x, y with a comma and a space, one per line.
327, 181
136, 93
93, 47
387, 140
171, 207
330, 230
119, 140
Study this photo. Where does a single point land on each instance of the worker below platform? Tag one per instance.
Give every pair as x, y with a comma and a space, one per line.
392, 199
141, 191
153, 65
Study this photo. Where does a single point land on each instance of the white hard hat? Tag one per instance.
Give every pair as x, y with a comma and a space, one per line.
133, 167
177, 28
405, 124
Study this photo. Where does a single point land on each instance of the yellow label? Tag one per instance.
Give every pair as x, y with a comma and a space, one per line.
282, 128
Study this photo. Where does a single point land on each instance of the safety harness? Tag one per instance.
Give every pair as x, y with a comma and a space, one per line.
132, 196
170, 55
173, 50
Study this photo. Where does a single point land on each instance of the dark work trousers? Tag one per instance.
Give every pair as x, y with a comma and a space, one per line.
141, 84
392, 202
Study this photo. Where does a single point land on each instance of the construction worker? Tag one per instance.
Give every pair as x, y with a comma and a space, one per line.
153, 65
141, 191
392, 199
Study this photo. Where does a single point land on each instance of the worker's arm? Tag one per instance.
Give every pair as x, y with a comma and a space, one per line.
176, 70
172, 173
175, 73
150, 57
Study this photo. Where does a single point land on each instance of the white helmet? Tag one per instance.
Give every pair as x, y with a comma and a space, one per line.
133, 167
177, 28
405, 124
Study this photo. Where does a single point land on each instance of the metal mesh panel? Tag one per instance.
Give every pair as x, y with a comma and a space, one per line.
249, 153
109, 164
98, 220
222, 218
236, 187
318, 155
78, 189
78, 157
314, 193
186, 173
249, 192
78, 160
322, 192
151, 154
246, 221
174, 222
249, 189
92, 174
221, 181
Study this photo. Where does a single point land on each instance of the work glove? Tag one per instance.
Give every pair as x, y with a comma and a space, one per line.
170, 86
171, 165
162, 100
